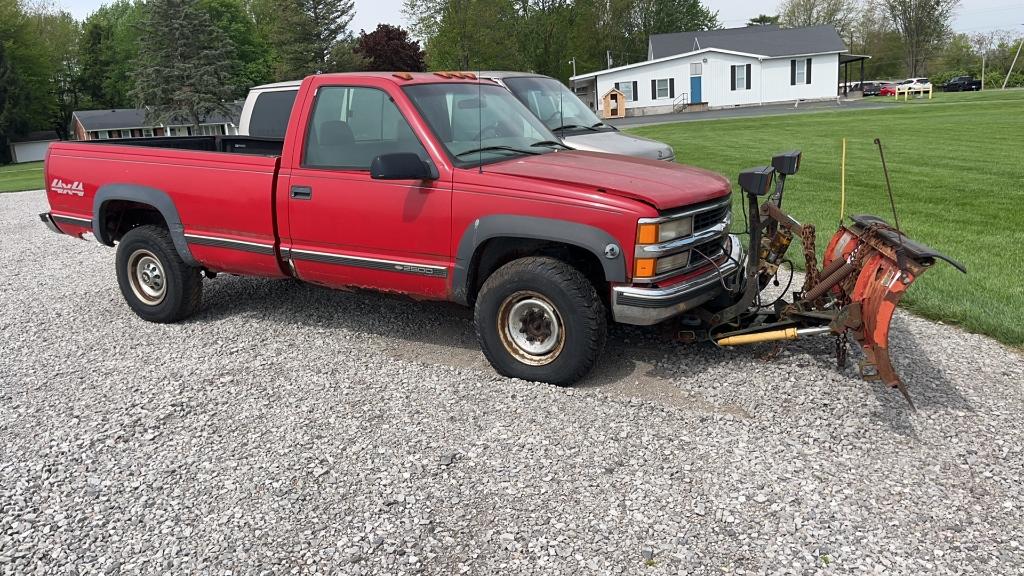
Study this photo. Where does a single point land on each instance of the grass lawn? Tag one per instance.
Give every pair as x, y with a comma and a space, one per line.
18, 177
957, 169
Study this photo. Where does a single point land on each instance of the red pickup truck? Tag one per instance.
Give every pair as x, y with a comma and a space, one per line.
439, 186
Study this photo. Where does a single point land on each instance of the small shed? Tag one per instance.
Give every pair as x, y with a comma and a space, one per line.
613, 104
32, 146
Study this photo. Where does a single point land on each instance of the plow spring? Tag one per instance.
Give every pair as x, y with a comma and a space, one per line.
867, 267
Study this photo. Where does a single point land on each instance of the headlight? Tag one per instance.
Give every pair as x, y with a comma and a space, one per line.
669, 263
664, 231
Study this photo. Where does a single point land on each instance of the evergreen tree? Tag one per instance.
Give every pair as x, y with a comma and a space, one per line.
763, 20
307, 37
183, 70
252, 63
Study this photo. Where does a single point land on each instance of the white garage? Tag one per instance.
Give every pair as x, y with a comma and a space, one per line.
32, 147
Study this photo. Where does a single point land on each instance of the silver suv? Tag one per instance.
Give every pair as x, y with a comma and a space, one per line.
572, 120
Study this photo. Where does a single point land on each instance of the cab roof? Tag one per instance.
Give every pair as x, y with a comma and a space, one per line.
401, 78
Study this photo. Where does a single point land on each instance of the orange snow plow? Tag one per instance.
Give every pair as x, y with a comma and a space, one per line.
868, 266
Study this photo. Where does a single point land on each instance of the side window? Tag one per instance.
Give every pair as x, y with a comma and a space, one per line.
270, 113
351, 126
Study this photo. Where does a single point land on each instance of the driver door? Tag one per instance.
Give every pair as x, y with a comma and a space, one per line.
348, 229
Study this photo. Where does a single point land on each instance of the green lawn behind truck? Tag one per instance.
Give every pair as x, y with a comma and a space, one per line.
18, 177
957, 169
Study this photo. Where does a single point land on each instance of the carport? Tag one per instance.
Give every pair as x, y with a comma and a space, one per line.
844, 61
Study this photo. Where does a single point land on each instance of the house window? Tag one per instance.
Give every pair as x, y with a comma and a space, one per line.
147, 132
696, 69
661, 89
627, 89
740, 77
103, 135
800, 71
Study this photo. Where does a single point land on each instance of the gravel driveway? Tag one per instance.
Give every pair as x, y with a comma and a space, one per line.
292, 429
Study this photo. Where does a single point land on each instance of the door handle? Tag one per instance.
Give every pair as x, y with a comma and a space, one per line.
302, 192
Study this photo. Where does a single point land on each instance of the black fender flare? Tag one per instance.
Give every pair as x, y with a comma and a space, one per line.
592, 239
158, 199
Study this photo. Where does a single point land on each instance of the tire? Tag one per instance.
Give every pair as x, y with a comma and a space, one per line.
154, 280
562, 319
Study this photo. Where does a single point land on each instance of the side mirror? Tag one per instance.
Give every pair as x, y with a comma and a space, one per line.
757, 181
787, 163
402, 166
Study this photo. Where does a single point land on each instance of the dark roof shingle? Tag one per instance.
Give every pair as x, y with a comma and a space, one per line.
763, 40
136, 118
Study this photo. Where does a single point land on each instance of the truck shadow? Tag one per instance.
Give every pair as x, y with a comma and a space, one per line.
639, 363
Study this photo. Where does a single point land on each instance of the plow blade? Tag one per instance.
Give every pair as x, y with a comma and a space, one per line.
867, 267
886, 263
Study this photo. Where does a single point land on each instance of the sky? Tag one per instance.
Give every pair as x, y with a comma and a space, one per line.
972, 15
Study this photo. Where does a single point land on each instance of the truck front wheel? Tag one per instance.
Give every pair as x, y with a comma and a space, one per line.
540, 319
154, 280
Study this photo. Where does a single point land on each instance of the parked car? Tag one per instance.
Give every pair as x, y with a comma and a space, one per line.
572, 120
266, 108
871, 88
913, 84
962, 84
435, 187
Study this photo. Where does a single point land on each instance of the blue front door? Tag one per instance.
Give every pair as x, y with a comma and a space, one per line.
695, 89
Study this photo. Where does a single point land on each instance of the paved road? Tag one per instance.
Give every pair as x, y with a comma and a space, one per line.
289, 429
750, 112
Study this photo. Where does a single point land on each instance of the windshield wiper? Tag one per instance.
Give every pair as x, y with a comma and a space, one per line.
573, 127
497, 149
551, 143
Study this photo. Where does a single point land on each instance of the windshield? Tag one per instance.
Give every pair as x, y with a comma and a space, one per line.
480, 123
553, 103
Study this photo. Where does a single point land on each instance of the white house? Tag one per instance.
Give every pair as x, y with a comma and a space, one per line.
725, 68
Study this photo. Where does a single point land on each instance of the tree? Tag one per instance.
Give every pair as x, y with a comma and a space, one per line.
838, 13
307, 34
390, 48
180, 71
763, 20
108, 50
253, 63
26, 99
60, 51
923, 25
874, 34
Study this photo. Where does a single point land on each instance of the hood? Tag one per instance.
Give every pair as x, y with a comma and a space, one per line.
664, 185
615, 142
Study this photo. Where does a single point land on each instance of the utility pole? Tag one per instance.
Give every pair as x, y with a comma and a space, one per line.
983, 55
609, 59
573, 62
1010, 71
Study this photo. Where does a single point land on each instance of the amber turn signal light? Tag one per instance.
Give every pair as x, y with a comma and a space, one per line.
643, 267
647, 234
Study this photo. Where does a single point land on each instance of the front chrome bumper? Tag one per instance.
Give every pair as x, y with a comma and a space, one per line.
646, 306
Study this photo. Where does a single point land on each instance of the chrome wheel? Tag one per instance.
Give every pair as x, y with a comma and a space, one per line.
530, 328
146, 276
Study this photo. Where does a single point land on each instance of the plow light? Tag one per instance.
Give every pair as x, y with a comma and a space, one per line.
787, 163
757, 181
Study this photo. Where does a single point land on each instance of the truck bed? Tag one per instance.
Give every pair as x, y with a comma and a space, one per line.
222, 188
227, 144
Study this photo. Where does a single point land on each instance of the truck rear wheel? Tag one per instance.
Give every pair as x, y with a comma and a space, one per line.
540, 319
154, 280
